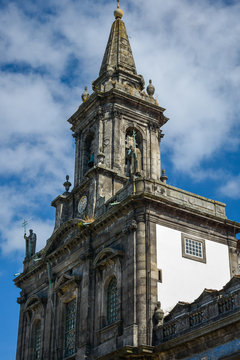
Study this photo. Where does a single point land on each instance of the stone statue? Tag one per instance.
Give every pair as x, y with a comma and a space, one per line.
158, 316
157, 320
134, 156
30, 243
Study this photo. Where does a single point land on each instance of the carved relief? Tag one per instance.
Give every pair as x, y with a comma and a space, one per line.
106, 257
130, 226
67, 283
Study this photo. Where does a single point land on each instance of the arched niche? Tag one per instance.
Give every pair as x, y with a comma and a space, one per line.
89, 152
133, 152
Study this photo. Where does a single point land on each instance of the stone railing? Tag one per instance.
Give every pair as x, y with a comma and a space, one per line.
211, 306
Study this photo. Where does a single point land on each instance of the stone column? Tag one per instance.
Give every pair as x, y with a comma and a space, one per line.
152, 273
129, 313
154, 152
141, 281
116, 140
77, 137
21, 326
47, 330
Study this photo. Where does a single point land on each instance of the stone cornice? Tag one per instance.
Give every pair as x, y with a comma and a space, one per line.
112, 213
143, 352
85, 111
202, 331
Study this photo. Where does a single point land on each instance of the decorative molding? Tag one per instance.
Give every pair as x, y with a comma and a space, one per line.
35, 302
186, 255
106, 257
117, 113
130, 227
22, 298
66, 283
153, 126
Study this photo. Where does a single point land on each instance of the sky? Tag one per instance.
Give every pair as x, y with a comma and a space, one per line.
51, 50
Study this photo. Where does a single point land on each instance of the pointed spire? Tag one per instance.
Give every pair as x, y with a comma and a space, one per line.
118, 54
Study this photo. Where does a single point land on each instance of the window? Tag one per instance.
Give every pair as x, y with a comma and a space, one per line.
112, 301
37, 340
70, 327
193, 249
160, 275
88, 159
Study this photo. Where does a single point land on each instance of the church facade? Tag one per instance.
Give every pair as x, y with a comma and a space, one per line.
124, 239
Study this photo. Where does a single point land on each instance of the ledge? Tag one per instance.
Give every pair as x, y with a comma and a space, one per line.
108, 327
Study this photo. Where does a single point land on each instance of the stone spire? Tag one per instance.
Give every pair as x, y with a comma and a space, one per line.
118, 53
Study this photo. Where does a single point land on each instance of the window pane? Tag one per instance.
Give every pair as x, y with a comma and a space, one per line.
70, 328
37, 340
112, 301
194, 248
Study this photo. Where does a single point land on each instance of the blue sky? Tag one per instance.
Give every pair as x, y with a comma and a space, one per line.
49, 52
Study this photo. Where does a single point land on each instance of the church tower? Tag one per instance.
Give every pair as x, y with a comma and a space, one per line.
117, 130
123, 239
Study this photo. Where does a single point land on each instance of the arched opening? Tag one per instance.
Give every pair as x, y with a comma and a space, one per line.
133, 152
89, 158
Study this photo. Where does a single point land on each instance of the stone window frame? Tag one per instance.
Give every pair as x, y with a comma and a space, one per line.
110, 306
107, 265
66, 302
35, 308
68, 288
202, 259
104, 323
37, 321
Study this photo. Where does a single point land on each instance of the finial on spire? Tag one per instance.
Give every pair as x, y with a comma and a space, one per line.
118, 13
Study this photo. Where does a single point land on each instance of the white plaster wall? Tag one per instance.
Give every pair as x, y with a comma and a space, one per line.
184, 279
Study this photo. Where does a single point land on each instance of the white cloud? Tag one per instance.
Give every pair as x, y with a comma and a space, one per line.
189, 49
15, 239
194, 61
231, 188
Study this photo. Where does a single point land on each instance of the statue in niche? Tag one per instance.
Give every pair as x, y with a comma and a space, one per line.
30, 243
133, 156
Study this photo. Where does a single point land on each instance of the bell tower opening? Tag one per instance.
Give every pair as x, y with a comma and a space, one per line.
88, 156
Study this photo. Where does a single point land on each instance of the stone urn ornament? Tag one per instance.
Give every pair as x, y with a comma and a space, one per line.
150, 88
85, 94
158, 315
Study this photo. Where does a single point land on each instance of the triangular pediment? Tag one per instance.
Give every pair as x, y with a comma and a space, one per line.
35, 301
61, 237
233, 283
205, 296
180, 308
67, 282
